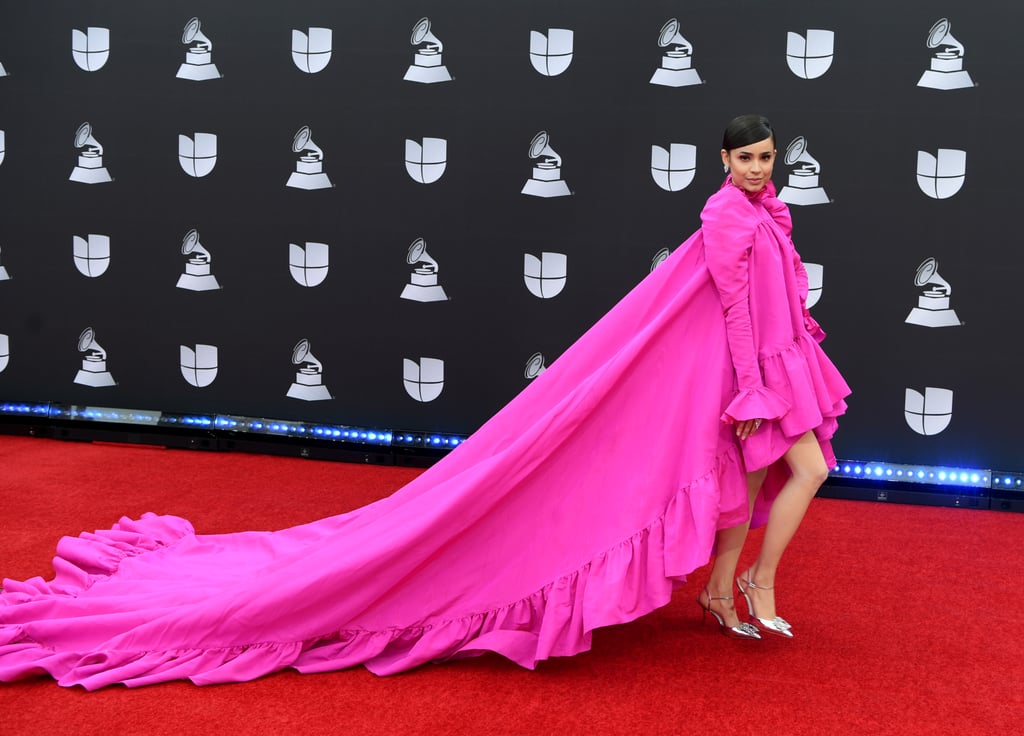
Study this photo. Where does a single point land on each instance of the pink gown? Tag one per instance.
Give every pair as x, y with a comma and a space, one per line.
581, 504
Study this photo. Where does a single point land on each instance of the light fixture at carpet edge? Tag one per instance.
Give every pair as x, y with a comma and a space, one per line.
932, 475
306, 430
427, 440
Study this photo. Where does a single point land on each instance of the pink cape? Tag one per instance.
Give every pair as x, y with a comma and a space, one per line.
581, 504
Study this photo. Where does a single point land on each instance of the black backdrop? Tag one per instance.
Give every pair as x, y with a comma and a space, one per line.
865, 120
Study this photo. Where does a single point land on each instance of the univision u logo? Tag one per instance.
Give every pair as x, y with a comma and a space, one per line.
426, 161
197, 155
199, 364
551, 54
311, 51
674, 169
5, 352
545, 276
423, 380
308, 263
810, 57
941, 176
90, 48
928, 413
92, 254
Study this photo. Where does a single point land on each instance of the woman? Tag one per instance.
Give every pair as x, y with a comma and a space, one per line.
582, 503
763, 287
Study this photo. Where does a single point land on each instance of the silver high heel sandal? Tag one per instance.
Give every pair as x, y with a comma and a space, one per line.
777, 625
740, 631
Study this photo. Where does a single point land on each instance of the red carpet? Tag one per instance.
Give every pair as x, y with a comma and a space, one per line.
907, 622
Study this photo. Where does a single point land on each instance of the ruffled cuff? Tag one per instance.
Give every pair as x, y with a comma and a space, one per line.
755, 403
813, 328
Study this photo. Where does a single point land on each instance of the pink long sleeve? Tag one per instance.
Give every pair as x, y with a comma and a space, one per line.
729, 226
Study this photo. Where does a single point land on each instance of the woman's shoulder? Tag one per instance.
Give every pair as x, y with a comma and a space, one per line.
730, 203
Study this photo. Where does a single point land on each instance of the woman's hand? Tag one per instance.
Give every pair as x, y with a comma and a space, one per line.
747, 427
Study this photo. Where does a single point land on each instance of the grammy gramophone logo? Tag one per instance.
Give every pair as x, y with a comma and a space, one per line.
198, 364
311, 49
424, 378
551, 52
427, 66
534, 366
946, 71
546, 180
198, 275
676, 68
423, 285
197, 154
309, 263
674, 168
309, 167
659, 257
933, 308
803, 187
91, 254
90, 48
940, 175
546, 276
90, 168
94, 362
198, 65
426, 160
928, 413
810, 56
308, 384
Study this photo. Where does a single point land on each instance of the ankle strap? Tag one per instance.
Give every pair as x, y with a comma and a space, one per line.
751, 584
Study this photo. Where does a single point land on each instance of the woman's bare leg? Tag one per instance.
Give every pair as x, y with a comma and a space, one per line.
729, 546
808, 471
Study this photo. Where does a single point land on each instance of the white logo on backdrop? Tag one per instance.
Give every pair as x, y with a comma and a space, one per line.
947, 66
803, 187
92, 254
3, 72
673, 169
94, 365
427, 66
423, 285
197, 275
308, 263
309, 168
308, 384
677, 62
426, 161
941, 176
423, 380
547, 172
4, 276
5, 351
932, 308
198, 65
311, 51
551, 54
810, 57
197, 155
928, 413
534, 366
3, 145
198, 364
815, 282
90, 49
545, 277
90, 168
660, 257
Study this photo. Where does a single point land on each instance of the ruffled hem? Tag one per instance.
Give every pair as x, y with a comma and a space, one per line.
629, 580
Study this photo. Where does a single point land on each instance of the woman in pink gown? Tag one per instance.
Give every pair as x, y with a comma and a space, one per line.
582, 503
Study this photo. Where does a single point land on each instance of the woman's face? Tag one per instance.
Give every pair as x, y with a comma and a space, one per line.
750, 167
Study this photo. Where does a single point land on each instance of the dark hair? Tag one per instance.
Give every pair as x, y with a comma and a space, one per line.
747, 129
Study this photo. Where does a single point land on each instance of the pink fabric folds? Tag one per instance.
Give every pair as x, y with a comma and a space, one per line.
581, 504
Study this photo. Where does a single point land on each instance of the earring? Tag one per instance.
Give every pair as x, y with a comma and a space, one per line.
725, 168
